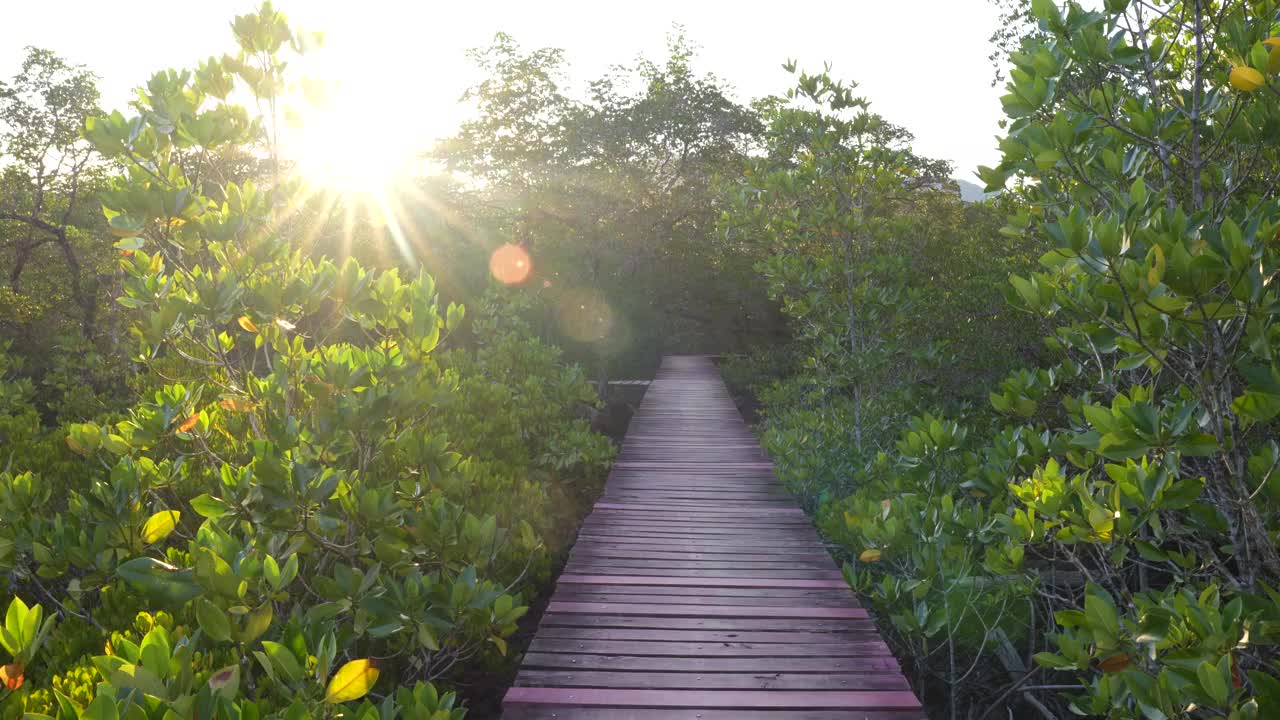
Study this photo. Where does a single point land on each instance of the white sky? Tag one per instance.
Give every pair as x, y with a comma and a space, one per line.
922, 63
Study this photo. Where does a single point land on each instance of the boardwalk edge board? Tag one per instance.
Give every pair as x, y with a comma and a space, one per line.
699, 590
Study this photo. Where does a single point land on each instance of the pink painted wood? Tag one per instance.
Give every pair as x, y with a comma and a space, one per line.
698, 588
718, 699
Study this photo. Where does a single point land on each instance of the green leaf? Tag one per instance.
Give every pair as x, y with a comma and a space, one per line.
289, 572
297, 711
128, 675
155, 651
256, 623
1150, 552
271, 571
1046, 10
123, 226
1198, 445
160, 580
1138, 193
103, 707
453, 316
1103, 619
9, 642
208, 506
1213, 683
1267, 691
1154, 626
213, 620
13, 620
1053, 661
1257, 406
284, 660
1122, 446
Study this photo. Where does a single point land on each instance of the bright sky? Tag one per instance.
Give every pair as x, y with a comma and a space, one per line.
922, 63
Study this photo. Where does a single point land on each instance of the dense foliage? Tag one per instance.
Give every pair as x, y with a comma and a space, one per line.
313, 482
885, 276
611, 191
1108, 547
55, 309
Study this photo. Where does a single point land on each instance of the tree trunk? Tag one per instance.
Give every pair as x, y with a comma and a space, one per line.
85, 300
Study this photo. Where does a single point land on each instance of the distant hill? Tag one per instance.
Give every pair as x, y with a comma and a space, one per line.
972, 192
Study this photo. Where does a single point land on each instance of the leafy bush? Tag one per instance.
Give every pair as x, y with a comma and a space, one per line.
1115, 535
307, 492
884, 275
519, 412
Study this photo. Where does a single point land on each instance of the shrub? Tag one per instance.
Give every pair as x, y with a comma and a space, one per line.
308, 493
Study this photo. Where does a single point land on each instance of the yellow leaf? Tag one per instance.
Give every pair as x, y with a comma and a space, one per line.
235, 404
189, 423
1246, 79
247, 324
870, 555
352, 681
1156, 272
76, 447
499, 643
885, 505
1272, 42
159, 526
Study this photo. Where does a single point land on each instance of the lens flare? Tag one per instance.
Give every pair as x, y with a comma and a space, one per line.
510, 264
585, 316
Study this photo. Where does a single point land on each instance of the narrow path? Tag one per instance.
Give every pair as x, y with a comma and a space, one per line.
698, 589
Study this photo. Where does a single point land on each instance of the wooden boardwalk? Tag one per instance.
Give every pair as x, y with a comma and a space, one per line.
699, 590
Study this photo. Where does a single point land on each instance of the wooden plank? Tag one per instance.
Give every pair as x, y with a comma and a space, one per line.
678, 610
610, 550
727, 582
634, 663
710, 593
710, 576
704, 623
570, 596
549, 712
783, 510
699, 546
701, 543
712, 681
754, 636
663, 648
582, 562
697, 589
718, 699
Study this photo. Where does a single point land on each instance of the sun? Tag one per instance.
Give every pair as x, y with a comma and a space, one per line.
347, 144
363, 113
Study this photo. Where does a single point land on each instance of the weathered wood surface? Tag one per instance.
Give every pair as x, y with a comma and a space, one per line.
698, 589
